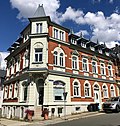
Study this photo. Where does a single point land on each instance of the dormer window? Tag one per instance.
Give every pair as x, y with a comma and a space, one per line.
100, 51
83, 44
92, 48
107, 53
73, 41
39, 27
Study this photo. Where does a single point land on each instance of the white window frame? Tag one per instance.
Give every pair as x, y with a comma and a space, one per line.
62, 35
61, 59
105, 91
39, 27
16, 90
112, 91
75, 62
94, 67
5, 92
85, 65
58, 59
110, 72
61, 88
76, 89
73, 41
100, 51
10, 90
87, 89
55, 54
83, 44
102, 69
12, 69
55, 33
38, 54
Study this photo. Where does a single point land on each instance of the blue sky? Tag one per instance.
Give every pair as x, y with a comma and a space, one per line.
96, 19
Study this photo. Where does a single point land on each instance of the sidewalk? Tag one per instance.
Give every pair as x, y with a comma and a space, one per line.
7, 122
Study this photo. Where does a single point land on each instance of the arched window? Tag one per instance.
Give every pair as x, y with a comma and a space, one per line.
5, 92
10, 91
85, 64
38, 52
55, 58
74, 62
96, 87
61, 59
112, 91
76, 89
87, 90
16, 90
25, 90
94, 66
105, 91
58, 90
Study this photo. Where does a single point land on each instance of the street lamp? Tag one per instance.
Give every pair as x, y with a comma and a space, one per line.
64, 95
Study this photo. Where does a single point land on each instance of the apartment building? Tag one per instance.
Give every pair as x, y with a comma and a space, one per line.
50, 67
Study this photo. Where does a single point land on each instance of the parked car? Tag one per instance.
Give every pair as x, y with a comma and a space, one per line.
112, 104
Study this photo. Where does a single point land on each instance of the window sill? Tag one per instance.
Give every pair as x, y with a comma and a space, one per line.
110, 76
103, 75
59, 66
37, 62
85, 71
88, 97
75, 69
95, 73
76, 96
22, 102
105, 97
60, 101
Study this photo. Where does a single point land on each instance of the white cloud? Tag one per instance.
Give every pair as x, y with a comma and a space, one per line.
105, 29
27, 8
72, 14
84, 32
3, 55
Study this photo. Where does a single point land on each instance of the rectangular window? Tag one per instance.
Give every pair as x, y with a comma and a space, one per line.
87, 92
58, 93
25, 93
102, 69
110, 70
76, 91
94, 67
84, 65
56, 33
74, 62
39, 27
83, 44
38, 55
61, 35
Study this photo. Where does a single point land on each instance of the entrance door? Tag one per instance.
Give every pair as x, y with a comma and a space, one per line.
40, 89
40, 95
96, 96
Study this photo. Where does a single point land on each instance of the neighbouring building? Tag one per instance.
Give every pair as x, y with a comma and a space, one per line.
116, 60
49, 62
2, 78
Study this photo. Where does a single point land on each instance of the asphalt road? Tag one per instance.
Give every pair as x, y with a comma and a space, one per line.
109, 119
